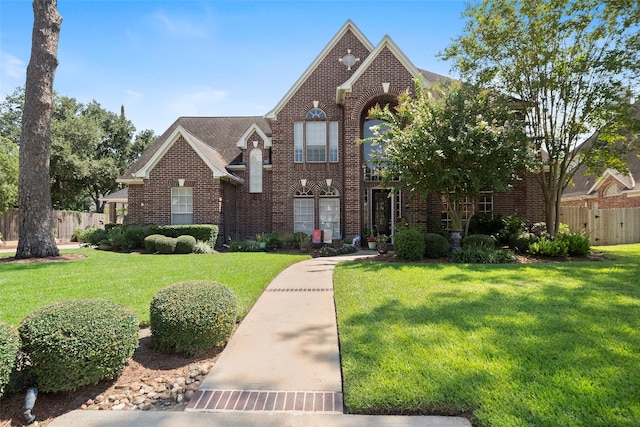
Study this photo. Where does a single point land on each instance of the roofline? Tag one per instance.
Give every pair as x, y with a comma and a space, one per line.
349, 25
608, 172
386, 42
129, 181
242, 142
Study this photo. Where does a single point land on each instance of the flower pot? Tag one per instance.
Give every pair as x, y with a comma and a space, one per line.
262, 245
372, 245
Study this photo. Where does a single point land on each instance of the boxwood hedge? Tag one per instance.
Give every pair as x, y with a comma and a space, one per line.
194, 316
9, 347
78, 342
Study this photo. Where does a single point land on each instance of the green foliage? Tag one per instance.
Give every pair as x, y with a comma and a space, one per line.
288, 240
9, 347
92, 236
409, 244
165, 245
549, 247
481, 254
245, 246
150, 242
578, 244
274, 240
78, 342
191, 317
9, 157
341, 250
435, 245
576, 64
185, 244
428, 137
479, 240
204, 232
300, 238
522, 241
486, 223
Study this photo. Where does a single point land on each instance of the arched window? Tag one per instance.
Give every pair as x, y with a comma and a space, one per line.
303, 212
329, 207
255, 171
611, 190
370, 151
315, 138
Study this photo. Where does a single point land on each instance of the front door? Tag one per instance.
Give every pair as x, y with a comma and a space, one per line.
382, 211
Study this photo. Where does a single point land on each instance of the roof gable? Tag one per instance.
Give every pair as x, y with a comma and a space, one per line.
348, 26
385, 43
627, 181
242, 142
209, 156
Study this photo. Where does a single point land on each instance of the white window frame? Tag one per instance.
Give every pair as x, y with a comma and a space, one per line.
316, 139
329, 211
255, 171
181, 205
303, 215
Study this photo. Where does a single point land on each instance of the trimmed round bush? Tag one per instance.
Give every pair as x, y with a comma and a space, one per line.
185, 244
435, 245
9, 347
479, 240
78, 342
191, 317
165, 245
150, 242
522, 241
409, 244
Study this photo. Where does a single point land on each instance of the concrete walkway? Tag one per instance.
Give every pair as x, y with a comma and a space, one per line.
280, 368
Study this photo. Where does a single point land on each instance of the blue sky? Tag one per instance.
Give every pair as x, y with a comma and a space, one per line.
165, 59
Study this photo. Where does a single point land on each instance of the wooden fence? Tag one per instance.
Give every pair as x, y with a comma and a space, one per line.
63, 223
604, 226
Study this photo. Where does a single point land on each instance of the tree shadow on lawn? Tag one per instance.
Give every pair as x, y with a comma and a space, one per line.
548, 354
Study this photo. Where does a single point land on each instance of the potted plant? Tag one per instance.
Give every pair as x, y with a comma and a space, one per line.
371, 241
303, 242
382, 240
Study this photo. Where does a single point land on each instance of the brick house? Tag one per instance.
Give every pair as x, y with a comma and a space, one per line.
300, 167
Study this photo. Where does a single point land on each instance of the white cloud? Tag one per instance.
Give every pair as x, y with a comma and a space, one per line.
203, 101
133, 94
13, 72
178, 26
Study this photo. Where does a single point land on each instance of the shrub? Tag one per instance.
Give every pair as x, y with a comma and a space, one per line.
273, 240
479, 254
550, 248
578, 244
409, 244
486, 223
288, 240
479, 240
522, 241
9, 347
202, 247
79, 342
165, 245
190, 317
135, 235
185, 244
340, 250
150, 242
91, 235
204, 232
435, 245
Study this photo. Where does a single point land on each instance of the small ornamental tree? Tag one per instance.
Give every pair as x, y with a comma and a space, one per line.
576, 65
450, 139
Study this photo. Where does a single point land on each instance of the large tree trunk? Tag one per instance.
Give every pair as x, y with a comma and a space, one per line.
35, 238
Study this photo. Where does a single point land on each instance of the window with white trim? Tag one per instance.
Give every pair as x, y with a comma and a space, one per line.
255, 171
484, 205
181, 205
329, 214
303, 212
315, 139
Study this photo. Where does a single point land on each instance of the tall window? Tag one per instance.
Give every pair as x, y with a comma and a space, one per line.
315, 139
371, 151
330, 211
181, 205
255, 171
303, 214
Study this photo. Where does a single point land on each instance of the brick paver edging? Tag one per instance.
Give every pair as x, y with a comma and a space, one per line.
328, 402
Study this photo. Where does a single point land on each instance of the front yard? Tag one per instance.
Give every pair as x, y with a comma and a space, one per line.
510, 345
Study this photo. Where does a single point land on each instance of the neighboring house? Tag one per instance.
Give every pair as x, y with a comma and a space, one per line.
301, 166
611, 189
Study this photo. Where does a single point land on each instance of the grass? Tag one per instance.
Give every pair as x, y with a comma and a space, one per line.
510, 345
131, 280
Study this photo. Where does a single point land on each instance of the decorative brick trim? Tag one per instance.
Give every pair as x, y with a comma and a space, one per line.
328, 402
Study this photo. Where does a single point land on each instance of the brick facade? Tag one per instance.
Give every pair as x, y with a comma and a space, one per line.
381, 74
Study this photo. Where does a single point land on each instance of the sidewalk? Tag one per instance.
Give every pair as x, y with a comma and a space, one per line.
280, 368
10, 247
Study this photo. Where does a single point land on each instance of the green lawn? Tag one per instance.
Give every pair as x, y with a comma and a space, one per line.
512, 345
131, 280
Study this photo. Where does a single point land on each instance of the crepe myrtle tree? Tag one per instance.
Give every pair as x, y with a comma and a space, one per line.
450, 139
576, 65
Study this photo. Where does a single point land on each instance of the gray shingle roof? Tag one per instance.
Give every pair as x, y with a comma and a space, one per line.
219, 133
